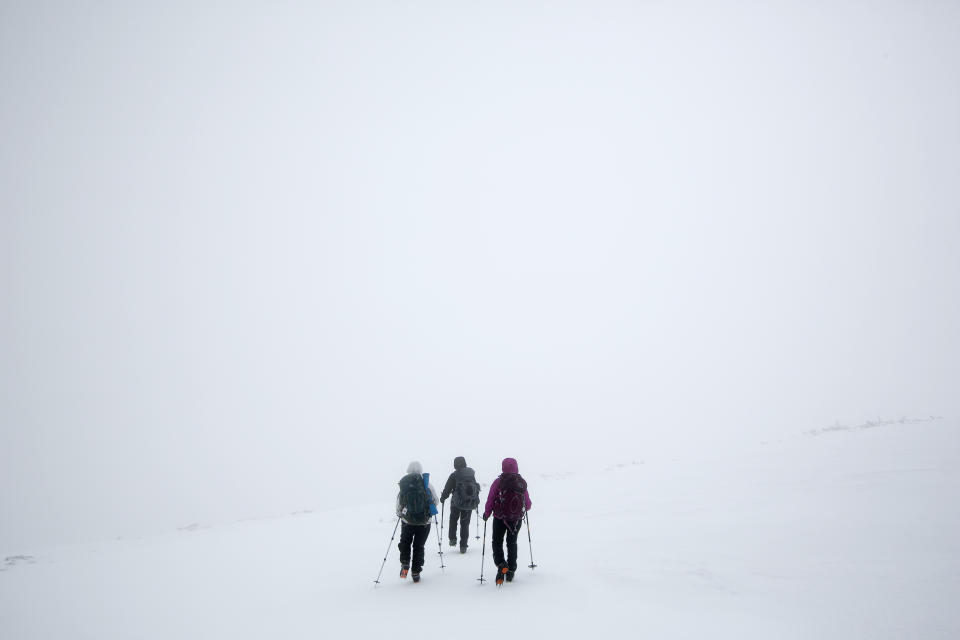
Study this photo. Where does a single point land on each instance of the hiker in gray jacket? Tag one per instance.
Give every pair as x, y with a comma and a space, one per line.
462, 485
416, 505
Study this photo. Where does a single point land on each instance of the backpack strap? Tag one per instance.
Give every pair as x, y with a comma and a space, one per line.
514, 527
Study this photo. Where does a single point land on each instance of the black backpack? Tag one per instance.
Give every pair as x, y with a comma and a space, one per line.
413, 504
466, 495
509, 504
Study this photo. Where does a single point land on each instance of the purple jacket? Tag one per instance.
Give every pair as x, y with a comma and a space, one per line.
509, 465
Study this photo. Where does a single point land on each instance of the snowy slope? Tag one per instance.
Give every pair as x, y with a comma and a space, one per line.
839, 534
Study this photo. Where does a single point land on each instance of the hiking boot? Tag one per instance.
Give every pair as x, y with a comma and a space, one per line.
453, 542
501, 574
463, 549
510, 576
404, 568
416, 577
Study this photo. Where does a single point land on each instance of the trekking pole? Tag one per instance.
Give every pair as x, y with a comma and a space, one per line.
478, 522
394, 535
441, 522
483, 552
439, 548
527, 517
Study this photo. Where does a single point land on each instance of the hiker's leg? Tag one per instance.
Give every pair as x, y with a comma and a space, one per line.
499, 529
512, 544
465, 526
453, 523
406, 539
419, 540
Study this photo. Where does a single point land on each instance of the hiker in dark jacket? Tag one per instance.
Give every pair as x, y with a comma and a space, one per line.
462, 485
416, 504
507, 500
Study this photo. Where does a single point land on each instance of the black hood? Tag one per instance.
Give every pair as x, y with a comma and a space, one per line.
459, 462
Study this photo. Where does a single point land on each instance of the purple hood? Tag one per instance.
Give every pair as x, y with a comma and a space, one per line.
509, 465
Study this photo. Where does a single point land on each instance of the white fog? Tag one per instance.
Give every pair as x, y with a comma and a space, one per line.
256, 257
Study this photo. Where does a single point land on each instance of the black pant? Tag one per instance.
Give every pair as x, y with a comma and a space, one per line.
500, 528
464, 516
415, 536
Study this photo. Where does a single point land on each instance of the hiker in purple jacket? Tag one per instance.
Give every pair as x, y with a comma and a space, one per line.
508, 500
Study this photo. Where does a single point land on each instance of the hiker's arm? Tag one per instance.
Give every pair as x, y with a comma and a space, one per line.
448, 488
494, 487
526, 500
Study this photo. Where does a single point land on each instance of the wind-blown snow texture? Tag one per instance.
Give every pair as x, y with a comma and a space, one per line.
845, 534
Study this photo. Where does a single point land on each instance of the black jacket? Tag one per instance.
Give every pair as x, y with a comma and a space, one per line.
462, 473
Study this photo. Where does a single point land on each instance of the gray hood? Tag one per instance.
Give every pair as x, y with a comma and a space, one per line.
416, 467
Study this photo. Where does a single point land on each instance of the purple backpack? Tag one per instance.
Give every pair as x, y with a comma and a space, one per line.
509, 505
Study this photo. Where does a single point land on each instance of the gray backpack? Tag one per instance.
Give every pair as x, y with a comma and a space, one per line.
466, 494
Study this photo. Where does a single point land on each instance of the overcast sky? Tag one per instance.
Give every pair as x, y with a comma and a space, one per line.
255, 257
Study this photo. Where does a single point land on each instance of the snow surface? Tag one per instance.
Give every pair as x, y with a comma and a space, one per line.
837, 533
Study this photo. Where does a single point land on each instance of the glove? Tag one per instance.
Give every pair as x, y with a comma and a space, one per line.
485, 517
